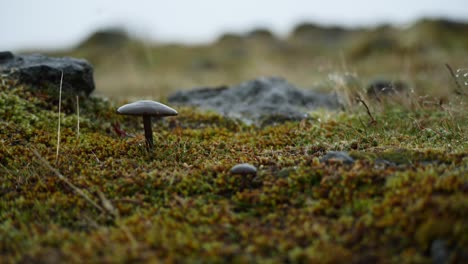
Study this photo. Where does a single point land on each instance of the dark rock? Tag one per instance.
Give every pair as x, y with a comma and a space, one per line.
41, 70
5, 56
337, 156
380, 88
262, 101
188, 97
439, 252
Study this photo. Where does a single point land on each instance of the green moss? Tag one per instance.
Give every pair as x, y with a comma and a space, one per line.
407, 188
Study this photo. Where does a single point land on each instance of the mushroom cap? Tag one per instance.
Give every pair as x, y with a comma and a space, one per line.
244, 168
146, 107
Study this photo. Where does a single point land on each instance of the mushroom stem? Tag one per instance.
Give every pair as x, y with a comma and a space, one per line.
148, 132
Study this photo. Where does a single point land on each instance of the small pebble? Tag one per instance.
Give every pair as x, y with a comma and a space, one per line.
337, 156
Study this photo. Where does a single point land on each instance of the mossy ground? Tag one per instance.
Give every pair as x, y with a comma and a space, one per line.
105, 199
407, 189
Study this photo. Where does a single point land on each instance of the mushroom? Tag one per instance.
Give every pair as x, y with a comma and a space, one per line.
244, 169
147, 109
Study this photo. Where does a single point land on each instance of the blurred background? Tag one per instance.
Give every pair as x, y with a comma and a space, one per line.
145, 48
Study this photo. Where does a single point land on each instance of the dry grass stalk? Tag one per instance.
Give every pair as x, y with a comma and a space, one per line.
372, 121
78, 117
58, 126
67, 182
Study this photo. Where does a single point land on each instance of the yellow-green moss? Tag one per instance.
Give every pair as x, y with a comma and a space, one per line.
180, 204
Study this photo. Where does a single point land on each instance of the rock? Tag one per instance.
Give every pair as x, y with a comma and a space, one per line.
262, 101
315, 34
38, 69
380, 88
383, 163
337, 156
6, 56
439, 252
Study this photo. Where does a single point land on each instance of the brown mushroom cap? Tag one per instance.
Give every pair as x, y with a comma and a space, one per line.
147, 107
244, 169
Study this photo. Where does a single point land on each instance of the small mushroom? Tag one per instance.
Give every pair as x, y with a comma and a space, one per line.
147, 109
247, 171
244, 169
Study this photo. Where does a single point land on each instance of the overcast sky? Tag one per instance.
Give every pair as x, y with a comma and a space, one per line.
49, 24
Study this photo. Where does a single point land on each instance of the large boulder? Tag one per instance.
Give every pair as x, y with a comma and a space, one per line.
262, 101
42, 71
